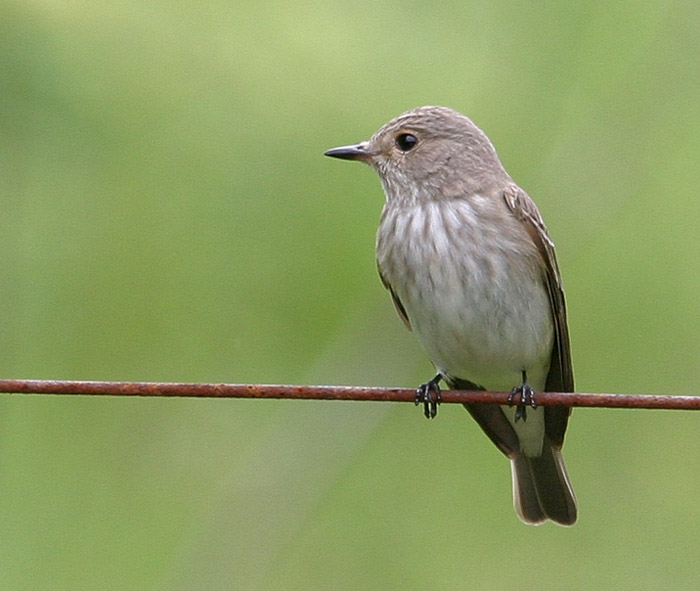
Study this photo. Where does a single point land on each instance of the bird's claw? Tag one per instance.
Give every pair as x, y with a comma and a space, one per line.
526, 397
428, 395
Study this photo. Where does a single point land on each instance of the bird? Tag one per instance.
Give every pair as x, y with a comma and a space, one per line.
472, 271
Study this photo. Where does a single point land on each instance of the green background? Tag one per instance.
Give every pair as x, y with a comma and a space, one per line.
167, 214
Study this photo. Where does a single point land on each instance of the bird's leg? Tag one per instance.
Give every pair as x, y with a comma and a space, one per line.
527, 398
429, 395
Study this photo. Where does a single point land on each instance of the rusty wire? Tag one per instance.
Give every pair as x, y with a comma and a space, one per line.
203, 390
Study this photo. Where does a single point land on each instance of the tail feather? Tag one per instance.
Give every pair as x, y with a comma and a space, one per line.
541, 488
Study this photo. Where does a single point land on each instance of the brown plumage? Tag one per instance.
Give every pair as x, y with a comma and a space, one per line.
472, 271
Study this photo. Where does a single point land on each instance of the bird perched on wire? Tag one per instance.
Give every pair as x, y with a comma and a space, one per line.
472, 272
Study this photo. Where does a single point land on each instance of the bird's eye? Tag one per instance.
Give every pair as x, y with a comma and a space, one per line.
406, 142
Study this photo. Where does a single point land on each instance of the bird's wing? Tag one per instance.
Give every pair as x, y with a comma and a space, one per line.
561, 374
397, 302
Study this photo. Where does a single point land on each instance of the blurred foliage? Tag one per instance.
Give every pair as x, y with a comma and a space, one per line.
168, 215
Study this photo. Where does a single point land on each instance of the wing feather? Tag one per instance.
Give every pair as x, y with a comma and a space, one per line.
397, 302
561, 374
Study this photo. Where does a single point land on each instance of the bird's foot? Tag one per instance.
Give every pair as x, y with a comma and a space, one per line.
526, 397
428, 395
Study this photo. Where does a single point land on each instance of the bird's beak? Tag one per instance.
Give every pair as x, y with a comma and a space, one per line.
356, 152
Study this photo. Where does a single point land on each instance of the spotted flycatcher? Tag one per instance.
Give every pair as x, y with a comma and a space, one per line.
472, 271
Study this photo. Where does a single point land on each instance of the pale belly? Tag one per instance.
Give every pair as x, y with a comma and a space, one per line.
490, 340
475, 299
472, 332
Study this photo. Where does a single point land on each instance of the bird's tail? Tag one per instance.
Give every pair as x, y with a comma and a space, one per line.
541, 487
